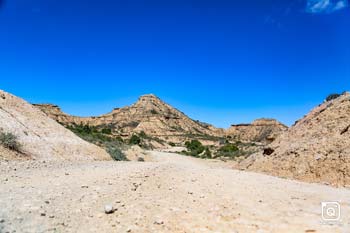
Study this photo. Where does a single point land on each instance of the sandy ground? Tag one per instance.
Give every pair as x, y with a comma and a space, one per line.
173, 193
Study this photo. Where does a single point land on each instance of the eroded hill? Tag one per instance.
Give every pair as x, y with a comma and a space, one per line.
149, 114
39, 136
261, 130
159, 120
315, 149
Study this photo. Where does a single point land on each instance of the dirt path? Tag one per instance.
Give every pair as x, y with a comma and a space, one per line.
172, 194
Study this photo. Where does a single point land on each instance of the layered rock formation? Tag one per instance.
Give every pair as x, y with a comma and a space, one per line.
315, 149
41, 137
261, 130
148, 114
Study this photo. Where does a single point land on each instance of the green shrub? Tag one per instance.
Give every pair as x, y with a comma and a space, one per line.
207, 154
194, 147
10, 141
106, 131
154, 112
172, 144
119, 139
135, 140
116, 154
332, 96
143, 134
228, 150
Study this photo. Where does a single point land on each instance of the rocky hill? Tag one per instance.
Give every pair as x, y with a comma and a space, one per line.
149, 114
41, 137
261, 130
315, 149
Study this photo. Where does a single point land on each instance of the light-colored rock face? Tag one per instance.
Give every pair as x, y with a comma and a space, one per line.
261, 130
40, 136
316, 148
148, 114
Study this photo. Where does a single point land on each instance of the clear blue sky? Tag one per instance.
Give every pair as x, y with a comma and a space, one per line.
222, 62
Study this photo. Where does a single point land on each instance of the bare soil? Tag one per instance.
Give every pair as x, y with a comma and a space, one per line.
172, 193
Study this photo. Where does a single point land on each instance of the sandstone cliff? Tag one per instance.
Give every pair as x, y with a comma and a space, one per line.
315, 149
261, 130
40, 136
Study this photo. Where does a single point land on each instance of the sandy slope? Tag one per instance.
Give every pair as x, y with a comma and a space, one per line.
171, 194
40, 136
315, 149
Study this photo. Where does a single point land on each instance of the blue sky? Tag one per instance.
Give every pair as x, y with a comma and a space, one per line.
221, 62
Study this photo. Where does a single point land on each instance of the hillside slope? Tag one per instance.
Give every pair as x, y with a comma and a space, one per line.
40, 136
315, 149
149, 114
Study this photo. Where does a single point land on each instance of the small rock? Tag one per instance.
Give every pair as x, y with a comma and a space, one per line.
159, 222
47, 202
84, 186
109, 209
67, 174
190, 193
51, 216
2, 220
43, 214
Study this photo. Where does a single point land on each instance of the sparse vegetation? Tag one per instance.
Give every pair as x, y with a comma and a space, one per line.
143, 134
106, 131
154, 112
332, 96
204, 137
194, 147
172, 144
135, 140
116, 153
102, 138
90, 133
10, 141
144, 140
207, 154
228, 150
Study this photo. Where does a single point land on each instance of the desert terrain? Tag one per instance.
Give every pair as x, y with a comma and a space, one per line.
169, 193
60, 173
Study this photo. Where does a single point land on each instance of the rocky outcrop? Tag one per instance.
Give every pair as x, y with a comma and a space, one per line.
261, 130
315, 149
41, 137
149, 114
